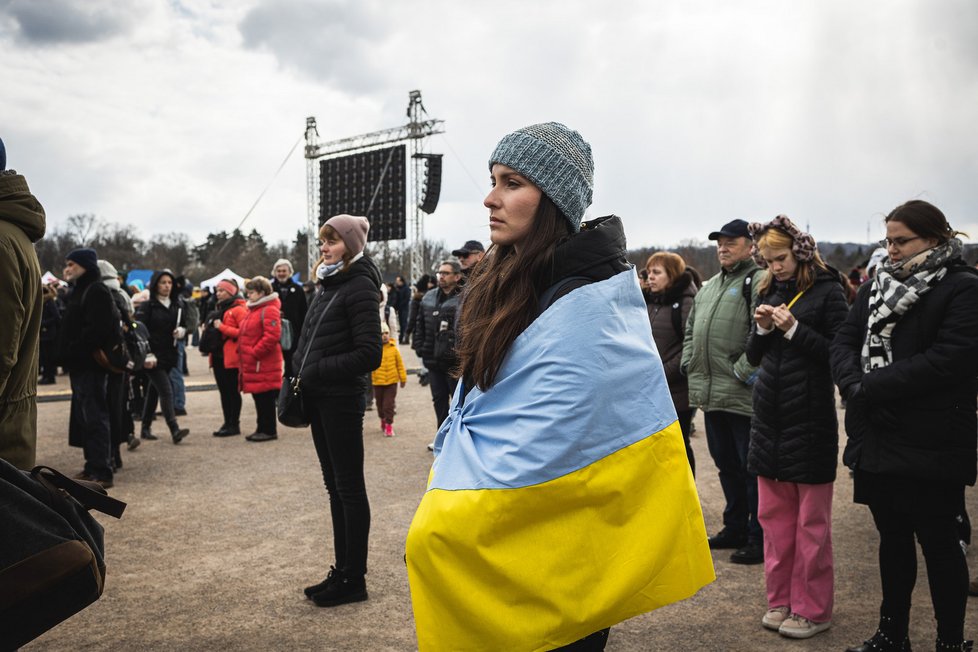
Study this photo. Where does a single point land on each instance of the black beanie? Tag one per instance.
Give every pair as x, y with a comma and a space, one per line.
85, 257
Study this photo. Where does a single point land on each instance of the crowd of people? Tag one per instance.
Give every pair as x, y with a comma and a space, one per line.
563, 384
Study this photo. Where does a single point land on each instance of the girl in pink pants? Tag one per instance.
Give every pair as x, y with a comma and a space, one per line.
794, 441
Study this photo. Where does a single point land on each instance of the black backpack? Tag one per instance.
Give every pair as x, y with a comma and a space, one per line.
136, 338
211, 340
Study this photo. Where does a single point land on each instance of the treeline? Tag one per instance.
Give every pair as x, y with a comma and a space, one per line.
249, 254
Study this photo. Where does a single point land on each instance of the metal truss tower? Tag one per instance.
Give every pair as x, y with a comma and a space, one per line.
416, 130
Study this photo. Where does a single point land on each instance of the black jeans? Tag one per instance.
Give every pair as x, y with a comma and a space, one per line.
947, 569
115, 400
159, 387
442, 387
227, 387
337, 432
685, 421
90, 416
728, 437
265, 409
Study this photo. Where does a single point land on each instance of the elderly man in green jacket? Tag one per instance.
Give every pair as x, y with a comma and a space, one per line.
21, 224
720, 380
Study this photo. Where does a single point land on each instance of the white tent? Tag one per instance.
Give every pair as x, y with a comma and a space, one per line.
227, 273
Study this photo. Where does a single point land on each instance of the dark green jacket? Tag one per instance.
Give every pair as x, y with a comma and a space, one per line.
21, 224
714, 348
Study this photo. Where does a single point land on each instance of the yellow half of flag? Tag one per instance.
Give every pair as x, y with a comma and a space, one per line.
540, 566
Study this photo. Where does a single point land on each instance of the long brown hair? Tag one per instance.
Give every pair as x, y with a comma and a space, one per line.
805, 272
502, 295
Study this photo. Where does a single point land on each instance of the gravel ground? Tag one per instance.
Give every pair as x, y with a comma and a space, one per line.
221, 534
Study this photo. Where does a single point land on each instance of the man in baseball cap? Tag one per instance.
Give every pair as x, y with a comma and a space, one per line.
468, 255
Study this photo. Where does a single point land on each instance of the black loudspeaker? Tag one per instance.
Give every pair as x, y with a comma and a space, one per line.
372, 184
432, 182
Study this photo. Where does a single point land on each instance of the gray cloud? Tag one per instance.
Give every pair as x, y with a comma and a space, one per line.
331, 41
52, 22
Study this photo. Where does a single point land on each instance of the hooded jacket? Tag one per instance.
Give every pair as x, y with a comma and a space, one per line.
661, 305
916, 416
714, 357
391, 370
794, 431
21, 224
161, 320
259, 351
345, 346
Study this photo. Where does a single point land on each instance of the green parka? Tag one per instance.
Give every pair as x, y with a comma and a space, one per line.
21, 224
714, 357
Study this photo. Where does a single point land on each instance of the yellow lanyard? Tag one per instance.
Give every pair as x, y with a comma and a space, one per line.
797, 296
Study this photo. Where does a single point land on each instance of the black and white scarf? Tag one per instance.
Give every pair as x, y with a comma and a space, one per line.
896, 288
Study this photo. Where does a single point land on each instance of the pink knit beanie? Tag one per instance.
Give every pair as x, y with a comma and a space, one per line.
352, 229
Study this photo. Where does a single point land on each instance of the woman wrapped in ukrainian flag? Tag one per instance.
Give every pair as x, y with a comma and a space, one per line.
560, 501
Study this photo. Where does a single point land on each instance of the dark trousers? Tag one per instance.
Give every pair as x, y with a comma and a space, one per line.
227, 387
287, 357
685, 421
47, 365
159, 388
90, 416
115, 400
385, 395
947, 569
728, 437
442, 387
337, 432
265, 408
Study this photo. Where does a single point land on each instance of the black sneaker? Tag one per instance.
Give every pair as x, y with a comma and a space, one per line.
180, 412
752, 553
133, 442
261, 436
342, 590
178, 435
227, 431
317, 588
727, 539
147, 434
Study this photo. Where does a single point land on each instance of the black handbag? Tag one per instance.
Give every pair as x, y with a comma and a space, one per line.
291, 411
51, 550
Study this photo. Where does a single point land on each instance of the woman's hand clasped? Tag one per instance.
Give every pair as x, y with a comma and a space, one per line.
762, 315
782, 318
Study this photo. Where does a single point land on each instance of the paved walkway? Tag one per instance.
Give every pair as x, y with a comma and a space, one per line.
221, 535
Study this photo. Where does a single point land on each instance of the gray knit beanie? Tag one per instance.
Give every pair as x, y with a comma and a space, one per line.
557, 160
352, 229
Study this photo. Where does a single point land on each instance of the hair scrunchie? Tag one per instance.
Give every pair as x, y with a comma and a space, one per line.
802, 244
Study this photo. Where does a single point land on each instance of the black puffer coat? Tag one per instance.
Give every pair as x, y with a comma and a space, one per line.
346, 346
294, 306
794, 431
916, 417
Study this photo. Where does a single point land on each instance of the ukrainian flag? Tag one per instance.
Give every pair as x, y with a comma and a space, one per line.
560, 501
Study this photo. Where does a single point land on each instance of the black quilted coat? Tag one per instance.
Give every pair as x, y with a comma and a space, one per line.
794, 431
916, 417
346, 346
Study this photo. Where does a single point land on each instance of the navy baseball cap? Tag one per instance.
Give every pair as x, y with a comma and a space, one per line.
734, 229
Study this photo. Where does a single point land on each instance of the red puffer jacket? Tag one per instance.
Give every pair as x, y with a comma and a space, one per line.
259, 351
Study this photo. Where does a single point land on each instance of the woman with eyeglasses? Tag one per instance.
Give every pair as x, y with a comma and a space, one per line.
560, 501
906, 360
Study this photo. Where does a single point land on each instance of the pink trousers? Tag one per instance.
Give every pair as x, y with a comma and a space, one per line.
797, 522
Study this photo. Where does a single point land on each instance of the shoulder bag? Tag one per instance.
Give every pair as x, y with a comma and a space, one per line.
291, 411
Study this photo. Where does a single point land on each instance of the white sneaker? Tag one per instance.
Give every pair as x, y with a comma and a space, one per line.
796, 626
431, 447
774, 617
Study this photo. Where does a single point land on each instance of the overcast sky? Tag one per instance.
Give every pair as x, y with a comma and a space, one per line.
173, 116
